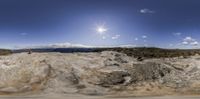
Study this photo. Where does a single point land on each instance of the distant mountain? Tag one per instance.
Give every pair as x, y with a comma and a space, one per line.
67, 45
56, 45
70, 45
146, 52
61, 50
130, 50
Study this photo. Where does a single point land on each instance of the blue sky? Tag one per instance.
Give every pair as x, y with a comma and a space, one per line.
160, 23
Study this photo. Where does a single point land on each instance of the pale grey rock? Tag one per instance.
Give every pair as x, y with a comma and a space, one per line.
93, 73
9, 90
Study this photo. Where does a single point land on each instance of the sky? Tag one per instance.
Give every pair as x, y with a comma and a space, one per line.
153, 23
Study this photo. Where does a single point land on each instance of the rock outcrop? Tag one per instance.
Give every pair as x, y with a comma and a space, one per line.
102, 73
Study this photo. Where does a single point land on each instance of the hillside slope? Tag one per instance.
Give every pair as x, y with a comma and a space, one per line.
5, 52
102, 73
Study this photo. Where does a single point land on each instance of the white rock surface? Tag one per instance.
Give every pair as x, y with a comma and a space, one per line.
96, 73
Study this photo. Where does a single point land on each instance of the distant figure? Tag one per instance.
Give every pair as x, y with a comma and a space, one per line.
29, 51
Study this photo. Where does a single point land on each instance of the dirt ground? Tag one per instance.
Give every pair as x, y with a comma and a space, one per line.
77, 96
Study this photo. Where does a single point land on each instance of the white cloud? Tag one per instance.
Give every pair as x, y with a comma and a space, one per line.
128, 46
195, 43
177, 34
115, 37
69, 45
23, 34
55, 45
66, 45
136, 39
145, 11
190, 41
185, 43
144, 36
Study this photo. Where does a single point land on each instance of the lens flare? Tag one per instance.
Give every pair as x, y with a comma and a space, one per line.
101, 30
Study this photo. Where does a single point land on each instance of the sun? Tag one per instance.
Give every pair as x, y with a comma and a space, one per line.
101, 30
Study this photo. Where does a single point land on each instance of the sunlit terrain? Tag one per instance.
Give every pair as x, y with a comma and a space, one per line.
99, 49
100, 73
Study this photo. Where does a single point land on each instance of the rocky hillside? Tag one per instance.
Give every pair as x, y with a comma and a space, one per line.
100, 73
152, 52
144, 52
5, 52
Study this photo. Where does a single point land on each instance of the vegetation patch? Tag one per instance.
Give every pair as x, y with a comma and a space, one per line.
152, 52
5, 52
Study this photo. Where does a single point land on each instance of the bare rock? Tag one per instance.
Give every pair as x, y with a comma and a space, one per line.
9, 90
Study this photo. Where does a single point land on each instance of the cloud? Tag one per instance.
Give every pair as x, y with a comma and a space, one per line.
144, 36
136, 39
128, 46
177, 34
23, 34
195, 43
185, 43
146, 11
68, 45
115, 37
190, 41
55, 45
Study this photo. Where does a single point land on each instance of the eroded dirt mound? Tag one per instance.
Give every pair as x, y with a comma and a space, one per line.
97, 74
